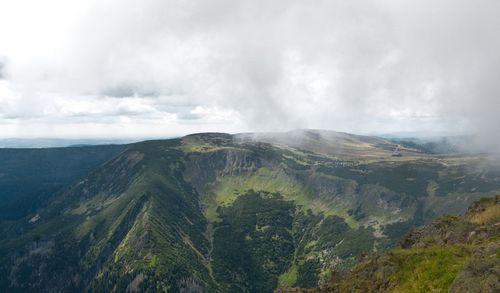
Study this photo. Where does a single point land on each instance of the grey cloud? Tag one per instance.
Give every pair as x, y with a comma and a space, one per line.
119, 91
189, 116
122, 91
359, 66
3, 68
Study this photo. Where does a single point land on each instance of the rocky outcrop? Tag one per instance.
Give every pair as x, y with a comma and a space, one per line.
205, 167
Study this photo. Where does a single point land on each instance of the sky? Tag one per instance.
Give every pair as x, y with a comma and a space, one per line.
163, 68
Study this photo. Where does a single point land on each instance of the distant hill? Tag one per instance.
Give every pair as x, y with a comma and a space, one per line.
331, 143
442, 144
215, 212
58, 142
29, 177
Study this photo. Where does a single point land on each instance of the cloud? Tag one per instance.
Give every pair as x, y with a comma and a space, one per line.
360, 66
3, 67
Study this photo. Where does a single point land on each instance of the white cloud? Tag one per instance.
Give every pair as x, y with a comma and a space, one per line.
155, 67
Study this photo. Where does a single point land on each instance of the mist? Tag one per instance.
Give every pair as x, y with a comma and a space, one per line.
162, 68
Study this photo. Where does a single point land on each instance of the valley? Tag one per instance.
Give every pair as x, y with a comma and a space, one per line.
215, 212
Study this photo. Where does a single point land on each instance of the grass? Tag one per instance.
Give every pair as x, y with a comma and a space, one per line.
264, 179
229, 188
427, 270
490, 214
289, 278
205, 143
210, 205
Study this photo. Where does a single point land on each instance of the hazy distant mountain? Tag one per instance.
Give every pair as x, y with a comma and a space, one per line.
29, 177
441, 145
230, 213
57, 142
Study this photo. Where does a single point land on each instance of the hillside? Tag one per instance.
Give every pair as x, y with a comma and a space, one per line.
245, 213
453, 254
28, 177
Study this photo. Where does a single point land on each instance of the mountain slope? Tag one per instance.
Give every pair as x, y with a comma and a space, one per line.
453, 254
28, 177
134, 212
221, 213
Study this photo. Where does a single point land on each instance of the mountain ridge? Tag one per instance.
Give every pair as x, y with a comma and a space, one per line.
152, 218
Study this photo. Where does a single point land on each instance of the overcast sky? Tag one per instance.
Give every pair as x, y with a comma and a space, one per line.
152, 68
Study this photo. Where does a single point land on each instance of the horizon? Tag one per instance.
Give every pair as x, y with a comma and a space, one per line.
54, 142
398, 134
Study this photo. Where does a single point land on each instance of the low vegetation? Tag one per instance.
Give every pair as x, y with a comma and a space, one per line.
453, 254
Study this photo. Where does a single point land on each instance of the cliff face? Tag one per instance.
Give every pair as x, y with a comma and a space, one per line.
452, 254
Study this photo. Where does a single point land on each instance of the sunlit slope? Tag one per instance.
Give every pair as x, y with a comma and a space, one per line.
453, 254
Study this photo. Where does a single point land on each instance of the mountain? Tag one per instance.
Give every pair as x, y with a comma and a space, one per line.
442, 145
28, 177
215, 212
453, 254
58, 142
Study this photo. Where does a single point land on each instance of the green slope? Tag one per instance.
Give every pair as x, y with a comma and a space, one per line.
453, 254
135, 216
